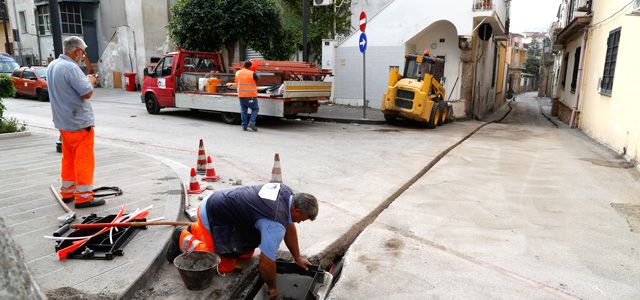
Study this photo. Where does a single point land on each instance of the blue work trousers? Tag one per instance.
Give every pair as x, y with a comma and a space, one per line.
245, 104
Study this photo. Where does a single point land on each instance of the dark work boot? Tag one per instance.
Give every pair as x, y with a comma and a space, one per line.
253, 127
92, 203
68, 200
174, 249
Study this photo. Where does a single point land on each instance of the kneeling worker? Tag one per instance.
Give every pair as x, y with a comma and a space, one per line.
232, 223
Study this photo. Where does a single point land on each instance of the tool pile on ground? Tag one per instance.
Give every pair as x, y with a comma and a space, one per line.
101, 242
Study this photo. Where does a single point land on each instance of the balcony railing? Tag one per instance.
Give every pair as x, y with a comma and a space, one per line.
483, 4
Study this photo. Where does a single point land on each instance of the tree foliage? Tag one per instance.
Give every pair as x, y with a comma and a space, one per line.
534, 52
208, 25
8, 90
321, 22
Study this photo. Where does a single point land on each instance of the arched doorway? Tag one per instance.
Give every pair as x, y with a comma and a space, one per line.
441, 39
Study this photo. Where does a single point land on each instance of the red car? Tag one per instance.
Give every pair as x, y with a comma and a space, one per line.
31, 81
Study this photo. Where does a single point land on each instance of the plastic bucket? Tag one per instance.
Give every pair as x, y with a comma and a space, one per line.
212, 84
196, 268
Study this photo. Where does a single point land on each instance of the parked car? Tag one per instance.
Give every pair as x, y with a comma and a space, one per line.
7, 63
31, 81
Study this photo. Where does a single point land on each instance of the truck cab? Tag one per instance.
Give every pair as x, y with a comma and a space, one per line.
162, 81
415, 94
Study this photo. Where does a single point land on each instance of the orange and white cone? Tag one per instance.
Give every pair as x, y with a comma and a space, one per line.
210, 175
194, 185
276, 172
201, 167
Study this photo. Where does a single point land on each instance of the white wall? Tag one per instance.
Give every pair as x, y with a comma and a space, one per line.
28, 44
399, 24
349, 65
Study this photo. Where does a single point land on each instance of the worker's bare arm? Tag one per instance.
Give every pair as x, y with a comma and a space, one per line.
268, 272
291, 240
87, 96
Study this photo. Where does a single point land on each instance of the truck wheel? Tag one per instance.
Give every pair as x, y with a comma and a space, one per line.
434, 117
391, 119
152, 104
42, 95
230, 118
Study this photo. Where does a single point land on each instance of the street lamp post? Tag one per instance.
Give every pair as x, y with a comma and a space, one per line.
56, 28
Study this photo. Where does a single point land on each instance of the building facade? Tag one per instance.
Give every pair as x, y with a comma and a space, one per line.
451, 32
121, 35
595, 89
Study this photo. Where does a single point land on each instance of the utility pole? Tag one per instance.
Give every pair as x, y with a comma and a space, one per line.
305, 23
4, 16
56, 28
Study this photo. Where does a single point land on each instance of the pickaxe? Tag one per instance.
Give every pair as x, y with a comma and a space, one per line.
67, 218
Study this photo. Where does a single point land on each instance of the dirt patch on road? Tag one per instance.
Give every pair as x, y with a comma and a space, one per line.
69, 293
394, 244
618, 163
631, 212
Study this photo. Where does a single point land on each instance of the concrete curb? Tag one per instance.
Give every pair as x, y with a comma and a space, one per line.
174, 205
343, 121
4, 136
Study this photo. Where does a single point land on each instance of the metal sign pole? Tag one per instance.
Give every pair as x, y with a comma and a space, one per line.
364, 85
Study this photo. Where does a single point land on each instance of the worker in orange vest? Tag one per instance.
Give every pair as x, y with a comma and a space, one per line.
232, 223
69, 91
247, 85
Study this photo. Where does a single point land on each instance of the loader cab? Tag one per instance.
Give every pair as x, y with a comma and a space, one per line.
417, 66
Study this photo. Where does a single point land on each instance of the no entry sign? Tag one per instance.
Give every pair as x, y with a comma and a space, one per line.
363, 21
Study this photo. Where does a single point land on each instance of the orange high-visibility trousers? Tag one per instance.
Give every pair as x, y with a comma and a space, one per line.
197, 237
77, 165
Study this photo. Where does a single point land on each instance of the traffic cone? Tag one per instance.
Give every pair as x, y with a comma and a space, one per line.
210, 175
194, 185
201, 167
276, 172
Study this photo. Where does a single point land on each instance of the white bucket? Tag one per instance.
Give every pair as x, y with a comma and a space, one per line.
202, 84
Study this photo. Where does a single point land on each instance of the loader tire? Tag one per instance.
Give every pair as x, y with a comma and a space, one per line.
434, 117
390, 119
443, 113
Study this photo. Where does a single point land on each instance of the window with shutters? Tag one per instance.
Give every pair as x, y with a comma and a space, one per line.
576, 66
564, 69
71, 18
606, 85
44, 24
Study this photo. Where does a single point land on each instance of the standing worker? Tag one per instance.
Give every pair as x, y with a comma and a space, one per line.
232, 223
69, 93
247, 86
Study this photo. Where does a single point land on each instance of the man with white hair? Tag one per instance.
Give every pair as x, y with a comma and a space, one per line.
69, 92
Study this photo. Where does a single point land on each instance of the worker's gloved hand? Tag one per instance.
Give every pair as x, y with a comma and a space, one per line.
272, 293
302, 262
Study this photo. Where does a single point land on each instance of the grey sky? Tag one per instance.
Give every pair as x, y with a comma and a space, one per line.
533, 15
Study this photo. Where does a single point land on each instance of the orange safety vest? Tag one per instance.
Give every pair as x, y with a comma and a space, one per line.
247, 87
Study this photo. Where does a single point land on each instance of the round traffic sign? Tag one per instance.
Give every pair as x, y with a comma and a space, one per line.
362, 42
363, 21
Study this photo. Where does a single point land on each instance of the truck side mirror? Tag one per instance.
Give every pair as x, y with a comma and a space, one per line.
146, 72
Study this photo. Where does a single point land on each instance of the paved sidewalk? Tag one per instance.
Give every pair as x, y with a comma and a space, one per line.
29, 164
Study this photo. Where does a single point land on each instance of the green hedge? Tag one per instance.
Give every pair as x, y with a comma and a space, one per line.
8, 90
